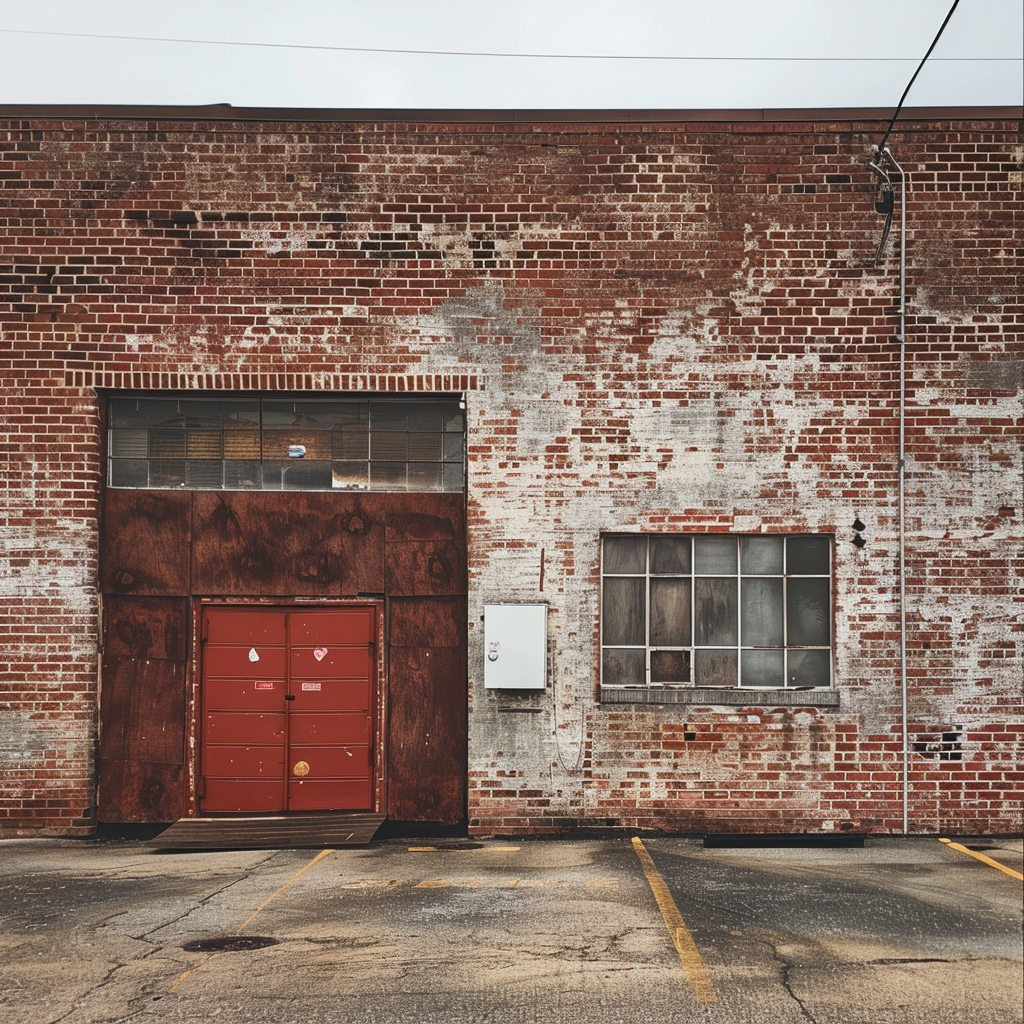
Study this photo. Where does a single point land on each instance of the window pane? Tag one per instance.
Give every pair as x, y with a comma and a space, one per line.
714, 555
714, 668
807, 613
350, 442
762, 668
761, 556
206, 475
167, 444
129, 444
670, 555
809, 668
199, 413
425, 448
715, 612
388, 476
352, 476
300, 475
454, 448
453, 476
808, 556
623, 614
129, 473
670, 612
670, 666
625, 555
623, 668
167, 474
761, 613
242, 475
389, 446
424, 476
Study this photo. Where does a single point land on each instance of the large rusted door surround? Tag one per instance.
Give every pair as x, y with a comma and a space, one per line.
311, 561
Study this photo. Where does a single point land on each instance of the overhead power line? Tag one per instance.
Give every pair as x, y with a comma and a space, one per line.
477, 53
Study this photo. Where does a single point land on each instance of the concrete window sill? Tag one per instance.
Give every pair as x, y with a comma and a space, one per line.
708, 696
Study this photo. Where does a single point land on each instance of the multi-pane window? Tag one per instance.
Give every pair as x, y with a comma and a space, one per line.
264, 443
716, 611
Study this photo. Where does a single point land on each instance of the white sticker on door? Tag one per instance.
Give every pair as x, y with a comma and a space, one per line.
254, 654
320, 653
311, 686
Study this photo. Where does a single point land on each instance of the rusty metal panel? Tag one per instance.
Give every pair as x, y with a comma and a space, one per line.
266, 544
145, 627
426, 567
142, 709
360, 518
134, 791
425, 517
427, 724
145, 542
440, 622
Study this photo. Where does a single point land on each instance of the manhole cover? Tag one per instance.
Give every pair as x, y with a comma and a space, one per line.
229, 944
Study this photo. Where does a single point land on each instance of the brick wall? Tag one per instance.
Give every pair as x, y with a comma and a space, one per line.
657, 327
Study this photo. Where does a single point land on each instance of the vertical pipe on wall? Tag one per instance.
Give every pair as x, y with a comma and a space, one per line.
901, 501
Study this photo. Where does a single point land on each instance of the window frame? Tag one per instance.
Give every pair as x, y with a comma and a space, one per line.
243, 441
819, 546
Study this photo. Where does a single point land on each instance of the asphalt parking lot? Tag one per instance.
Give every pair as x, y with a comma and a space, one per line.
507, 930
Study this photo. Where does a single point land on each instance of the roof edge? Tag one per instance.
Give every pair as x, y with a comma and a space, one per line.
226, 112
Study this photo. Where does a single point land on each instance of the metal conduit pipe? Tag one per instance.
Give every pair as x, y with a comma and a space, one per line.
901, 499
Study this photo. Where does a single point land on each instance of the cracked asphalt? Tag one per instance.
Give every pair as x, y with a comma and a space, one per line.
509, 930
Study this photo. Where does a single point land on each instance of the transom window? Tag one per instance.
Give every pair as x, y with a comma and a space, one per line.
716, 611
263, 443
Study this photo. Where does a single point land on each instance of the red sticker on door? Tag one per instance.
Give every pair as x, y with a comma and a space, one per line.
264, 684
320, 653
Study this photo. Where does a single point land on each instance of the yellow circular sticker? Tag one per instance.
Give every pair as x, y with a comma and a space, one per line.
301, 768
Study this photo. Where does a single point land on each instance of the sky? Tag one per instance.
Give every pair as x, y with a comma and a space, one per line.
512, 54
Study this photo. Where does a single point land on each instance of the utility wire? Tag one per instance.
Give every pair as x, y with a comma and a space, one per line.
880, 149
482, 53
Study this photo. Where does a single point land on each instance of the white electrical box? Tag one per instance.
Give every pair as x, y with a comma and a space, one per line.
515, 646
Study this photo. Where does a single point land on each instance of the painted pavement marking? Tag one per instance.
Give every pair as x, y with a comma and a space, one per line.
689, 956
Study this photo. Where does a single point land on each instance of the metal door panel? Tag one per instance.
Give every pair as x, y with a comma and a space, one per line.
244, 695
337, 626
322, 762
287, 709
241, 762
253, 661
331, 662
241, 728
319, 695
330, 795
245, 626
331, 728
248, 796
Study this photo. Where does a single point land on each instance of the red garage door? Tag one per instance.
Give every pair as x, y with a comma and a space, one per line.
288, 709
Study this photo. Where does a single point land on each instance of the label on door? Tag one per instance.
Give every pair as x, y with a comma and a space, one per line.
311, 686
264, 684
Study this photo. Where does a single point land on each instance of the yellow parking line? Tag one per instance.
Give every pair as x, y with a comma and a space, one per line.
985, 860
689, 956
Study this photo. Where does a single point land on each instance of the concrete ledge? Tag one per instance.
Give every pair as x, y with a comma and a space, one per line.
709, 696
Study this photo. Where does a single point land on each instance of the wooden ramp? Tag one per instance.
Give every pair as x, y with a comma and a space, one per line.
285, 831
